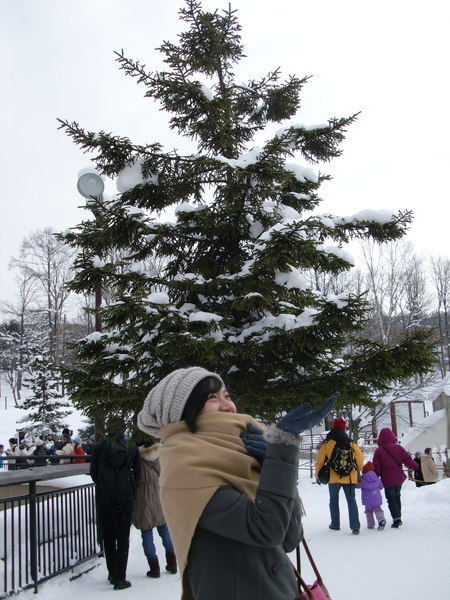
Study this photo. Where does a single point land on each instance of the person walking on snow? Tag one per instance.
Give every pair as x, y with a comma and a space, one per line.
388, 459
148, 512
371, 499
114, 514
336, 482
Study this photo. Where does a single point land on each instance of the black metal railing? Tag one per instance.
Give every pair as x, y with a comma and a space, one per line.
16, 463
44, 533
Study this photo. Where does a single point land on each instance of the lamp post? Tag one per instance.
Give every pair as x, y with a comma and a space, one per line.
90, 185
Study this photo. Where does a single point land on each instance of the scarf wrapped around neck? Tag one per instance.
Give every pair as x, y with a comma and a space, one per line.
194, 466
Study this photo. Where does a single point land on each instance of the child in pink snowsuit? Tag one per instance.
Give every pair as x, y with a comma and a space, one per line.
371, 487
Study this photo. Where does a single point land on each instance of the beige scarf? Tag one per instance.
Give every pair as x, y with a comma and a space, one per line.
194, 465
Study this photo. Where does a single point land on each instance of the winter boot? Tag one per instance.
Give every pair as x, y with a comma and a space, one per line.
171, 562
154, 568
396, 524
122, 585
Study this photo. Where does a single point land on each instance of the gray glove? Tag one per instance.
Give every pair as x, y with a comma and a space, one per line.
299, 419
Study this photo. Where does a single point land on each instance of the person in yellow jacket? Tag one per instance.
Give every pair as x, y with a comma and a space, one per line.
337, 481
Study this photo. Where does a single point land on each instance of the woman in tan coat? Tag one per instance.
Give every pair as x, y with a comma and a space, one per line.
148, 512
429, 469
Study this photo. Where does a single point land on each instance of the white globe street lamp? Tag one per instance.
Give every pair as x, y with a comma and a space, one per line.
90, 185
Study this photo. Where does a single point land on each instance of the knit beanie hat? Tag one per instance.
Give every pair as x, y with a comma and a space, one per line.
166, 401
368, 467
339, 423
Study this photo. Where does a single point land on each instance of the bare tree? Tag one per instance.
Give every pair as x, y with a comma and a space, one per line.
19, 333
327, 283
393, 289
416, 300
440, 276
47, 262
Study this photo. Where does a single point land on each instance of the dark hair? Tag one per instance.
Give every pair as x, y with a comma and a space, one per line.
115, 427
13, 440
427, 450
197, 400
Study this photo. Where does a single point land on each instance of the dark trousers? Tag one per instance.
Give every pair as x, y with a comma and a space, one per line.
393, 497
116, 538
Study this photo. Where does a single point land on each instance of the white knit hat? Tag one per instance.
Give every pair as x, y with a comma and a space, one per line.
165, 402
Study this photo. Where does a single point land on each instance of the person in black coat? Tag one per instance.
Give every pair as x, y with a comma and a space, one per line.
114, 516
418, 475
88, 447
40, 452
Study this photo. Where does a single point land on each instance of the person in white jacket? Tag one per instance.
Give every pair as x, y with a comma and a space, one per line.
65, 450
429, 468
26, 448
13, 450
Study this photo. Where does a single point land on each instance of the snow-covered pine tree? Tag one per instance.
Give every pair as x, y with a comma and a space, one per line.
21, 338
233, 296
47, 410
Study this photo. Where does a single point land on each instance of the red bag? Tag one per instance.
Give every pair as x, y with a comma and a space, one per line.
316, 591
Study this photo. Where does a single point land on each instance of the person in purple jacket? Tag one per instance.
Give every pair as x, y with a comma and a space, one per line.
371, 498
388, 460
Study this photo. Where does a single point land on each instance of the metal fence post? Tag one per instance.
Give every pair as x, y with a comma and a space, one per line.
33, 536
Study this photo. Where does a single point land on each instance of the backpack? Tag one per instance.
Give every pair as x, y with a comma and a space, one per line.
116, 474
341, 459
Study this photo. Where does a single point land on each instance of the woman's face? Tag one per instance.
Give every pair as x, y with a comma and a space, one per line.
219, 402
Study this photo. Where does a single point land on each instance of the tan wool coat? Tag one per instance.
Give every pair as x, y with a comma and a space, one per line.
429, 469
147, 509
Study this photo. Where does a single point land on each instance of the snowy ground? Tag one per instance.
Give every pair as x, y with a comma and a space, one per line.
410, 563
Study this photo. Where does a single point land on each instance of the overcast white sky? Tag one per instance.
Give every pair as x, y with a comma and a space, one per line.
389, 60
